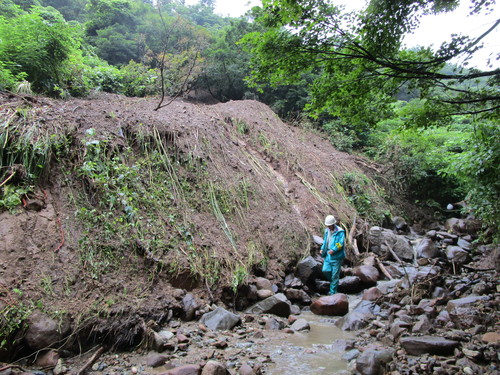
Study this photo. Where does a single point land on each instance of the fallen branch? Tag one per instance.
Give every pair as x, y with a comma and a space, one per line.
90, 362
394, 255
352, 240
383, 269
12, 366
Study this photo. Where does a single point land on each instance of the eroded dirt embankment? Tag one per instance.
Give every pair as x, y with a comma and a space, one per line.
242, 195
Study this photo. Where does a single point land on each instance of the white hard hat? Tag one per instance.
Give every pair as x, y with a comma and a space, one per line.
330, 220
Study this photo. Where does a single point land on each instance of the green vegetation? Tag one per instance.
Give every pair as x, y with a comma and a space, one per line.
432, 123
13, 314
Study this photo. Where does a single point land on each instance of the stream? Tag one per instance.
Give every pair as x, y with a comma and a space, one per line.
313, 352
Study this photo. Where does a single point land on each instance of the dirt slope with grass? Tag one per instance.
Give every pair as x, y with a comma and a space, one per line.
134, 204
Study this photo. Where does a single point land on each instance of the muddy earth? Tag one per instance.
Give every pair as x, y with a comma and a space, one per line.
418, 295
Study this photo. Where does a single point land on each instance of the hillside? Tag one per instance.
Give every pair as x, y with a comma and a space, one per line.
134, 205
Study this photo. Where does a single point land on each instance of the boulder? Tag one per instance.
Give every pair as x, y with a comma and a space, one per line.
220, 319
298, 295
278, 305
273, 324
457, 255
44, 332
190, 306
214, 368
350, 285
308, 269
427, 249
428, 344
464, 312
456, 225
372, 294
300, 325
263, 283
359, 317
334, 305
183, 370
48, 359
293, 282
379, 238
368, 275
372, 361
264, 293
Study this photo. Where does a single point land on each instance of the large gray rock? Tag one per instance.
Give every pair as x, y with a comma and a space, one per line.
334, 305
464, 312
457, 255
214, 368
298, 295
350, 285
183, 370
372, 362
428, 344
359, 317
190, 305
300, 325
44, 332
379, 238
308, 269
427, 249
368, 275
278, 305
220, 319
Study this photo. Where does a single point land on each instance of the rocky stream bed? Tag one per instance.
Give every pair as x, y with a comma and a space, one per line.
416, 303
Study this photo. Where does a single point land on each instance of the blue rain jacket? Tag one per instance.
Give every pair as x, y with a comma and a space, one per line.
334, 242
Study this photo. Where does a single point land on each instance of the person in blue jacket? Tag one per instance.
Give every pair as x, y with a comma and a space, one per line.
333, 252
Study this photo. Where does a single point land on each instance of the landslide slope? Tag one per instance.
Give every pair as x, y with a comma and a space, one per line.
132, 204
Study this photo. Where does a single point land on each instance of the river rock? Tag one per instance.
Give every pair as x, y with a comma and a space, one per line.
372, 361
246, 370
372, 294
491, 337
456, 225
298, 295
263, 283
155, 360
220, 319
264, 293
278, 305
368, 275
423, 325
183, 370
399, 223
379, 238
466, 245
428, 344
334, 305
457, 255
44, 332
293, 282
350, 285
214, 368
190, 306
359, 317
426, 249
464, 312
300, 325
273, 324
308, 269
48, 359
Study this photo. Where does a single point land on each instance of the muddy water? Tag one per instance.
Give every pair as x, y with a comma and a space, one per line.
310, 353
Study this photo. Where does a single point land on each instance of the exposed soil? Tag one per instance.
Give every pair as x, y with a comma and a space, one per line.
292, 173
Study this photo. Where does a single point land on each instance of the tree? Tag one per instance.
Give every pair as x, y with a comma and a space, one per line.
38, 44
360, 60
